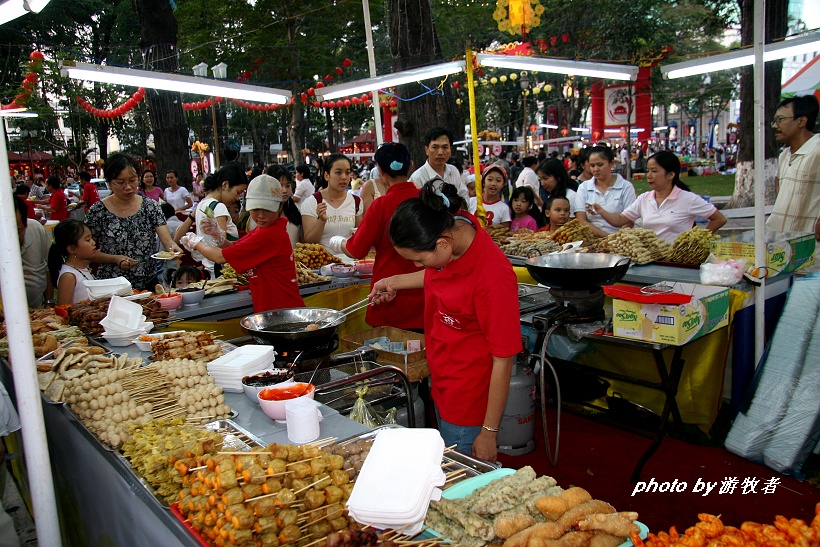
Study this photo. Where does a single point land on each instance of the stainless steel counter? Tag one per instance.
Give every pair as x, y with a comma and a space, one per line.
239, 304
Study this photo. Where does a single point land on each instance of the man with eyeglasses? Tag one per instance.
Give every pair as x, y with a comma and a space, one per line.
439, 147
797, 207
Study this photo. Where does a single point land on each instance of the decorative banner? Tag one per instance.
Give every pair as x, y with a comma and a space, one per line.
194, 168
480, 149
206, 163
619, 109
497, 149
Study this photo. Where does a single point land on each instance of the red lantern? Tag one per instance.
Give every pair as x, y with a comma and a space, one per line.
564, 131
347, 102
596, 135
456, 84
368, 102
316, 104
311, 91
247, 74
130, 103
219, 99
340, 103
324, 104
339, 70
393, 103
319, 85
347, 62
304, 97
36, 56
365, 97
328, 78
623, 132
356, 100
28, 86
533, 128
30, 77
141, 91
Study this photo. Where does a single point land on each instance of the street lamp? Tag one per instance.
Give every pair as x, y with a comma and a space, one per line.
29, 134
524, 81
220, 72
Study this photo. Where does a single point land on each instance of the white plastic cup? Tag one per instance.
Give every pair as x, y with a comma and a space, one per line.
303, 420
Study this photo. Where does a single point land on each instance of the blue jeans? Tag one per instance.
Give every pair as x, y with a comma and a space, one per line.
462, 436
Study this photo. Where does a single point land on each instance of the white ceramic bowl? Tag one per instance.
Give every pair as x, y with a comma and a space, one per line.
253, 391
275, 409
193, 297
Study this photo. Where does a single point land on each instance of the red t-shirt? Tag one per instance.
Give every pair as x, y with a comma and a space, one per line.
90, 194
470, 315
30, 207
266, 256
406, 311
58, 205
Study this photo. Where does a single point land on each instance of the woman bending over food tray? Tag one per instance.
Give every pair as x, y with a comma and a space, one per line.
471, 319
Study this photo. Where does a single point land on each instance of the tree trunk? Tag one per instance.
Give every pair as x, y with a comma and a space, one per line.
412, 31
158, 39
776, 25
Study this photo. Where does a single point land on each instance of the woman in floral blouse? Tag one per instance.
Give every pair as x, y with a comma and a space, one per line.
125, 226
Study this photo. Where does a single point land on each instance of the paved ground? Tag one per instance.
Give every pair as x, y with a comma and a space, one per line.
16, 508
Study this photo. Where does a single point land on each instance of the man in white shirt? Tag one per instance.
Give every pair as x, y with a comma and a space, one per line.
624, 156
438, 149
797, 207
304, 186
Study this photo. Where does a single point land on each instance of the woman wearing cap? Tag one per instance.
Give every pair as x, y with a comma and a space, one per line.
471, 318
407, 310
265, 253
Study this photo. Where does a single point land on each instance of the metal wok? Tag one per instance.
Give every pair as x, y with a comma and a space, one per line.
284, 329
577, 271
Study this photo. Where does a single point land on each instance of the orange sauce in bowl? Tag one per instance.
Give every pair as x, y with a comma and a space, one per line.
284, 393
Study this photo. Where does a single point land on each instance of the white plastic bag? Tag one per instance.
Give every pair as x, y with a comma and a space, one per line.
722, 272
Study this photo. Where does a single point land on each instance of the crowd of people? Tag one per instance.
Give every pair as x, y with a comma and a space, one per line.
436, 269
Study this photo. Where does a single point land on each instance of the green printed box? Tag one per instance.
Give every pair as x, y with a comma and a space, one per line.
785, 251
674, 324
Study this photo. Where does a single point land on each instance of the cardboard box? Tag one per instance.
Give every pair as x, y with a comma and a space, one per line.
673, 324
413, 364
785, 251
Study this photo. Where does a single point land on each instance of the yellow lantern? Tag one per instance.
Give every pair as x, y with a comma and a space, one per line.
536, 90
547, 88
503, 79
514, 76
518, 16
493, 80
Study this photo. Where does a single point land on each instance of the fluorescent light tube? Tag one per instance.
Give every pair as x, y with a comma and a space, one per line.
390, 80
742, 57
172, 82
560, 66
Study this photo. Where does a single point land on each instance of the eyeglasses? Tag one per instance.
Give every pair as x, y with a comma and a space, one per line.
121, 183
778, 120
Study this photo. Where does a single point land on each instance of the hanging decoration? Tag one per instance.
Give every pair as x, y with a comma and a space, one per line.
518, 16
200, 148
29, 83
116, 112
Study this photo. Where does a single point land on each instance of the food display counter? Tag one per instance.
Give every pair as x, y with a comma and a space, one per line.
102, 502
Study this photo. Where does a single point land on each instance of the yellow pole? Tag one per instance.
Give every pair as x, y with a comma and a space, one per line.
480, 213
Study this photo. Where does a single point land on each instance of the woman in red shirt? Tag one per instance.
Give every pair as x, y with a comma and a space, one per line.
57, 204
407, 310
471, 320
264, 254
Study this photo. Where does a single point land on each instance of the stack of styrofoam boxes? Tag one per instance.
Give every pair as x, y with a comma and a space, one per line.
124, 322
399, 478
228, 370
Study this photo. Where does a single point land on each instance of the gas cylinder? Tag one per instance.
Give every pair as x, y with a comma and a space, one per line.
517, 429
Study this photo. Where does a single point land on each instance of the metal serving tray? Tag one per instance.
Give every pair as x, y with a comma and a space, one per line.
236, 439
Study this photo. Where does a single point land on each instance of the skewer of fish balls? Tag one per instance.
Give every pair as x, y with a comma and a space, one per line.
193, 389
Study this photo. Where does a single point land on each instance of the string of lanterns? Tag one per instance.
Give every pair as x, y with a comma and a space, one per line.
535, 90
116, 112
29, 83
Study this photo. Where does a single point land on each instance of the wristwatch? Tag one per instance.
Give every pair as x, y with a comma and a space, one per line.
50, 302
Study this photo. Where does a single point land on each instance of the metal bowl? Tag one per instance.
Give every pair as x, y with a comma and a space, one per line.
577, 271
284, 329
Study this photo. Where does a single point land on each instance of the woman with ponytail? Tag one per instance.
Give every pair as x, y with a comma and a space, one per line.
471, 319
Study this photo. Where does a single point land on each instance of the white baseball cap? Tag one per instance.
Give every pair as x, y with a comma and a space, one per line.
264, 192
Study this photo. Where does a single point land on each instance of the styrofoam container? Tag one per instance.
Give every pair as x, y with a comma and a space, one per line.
124, 312
100, 288
401, 460
229, 369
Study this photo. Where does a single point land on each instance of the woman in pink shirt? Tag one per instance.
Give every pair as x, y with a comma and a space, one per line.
669, 208
148, 186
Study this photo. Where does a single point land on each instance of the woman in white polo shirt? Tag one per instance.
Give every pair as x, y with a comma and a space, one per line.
607, 189
669, 208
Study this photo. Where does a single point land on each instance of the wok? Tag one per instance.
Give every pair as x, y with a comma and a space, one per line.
577, 271
284, 329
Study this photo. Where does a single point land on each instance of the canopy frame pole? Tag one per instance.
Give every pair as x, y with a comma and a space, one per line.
760, 173
371, 59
